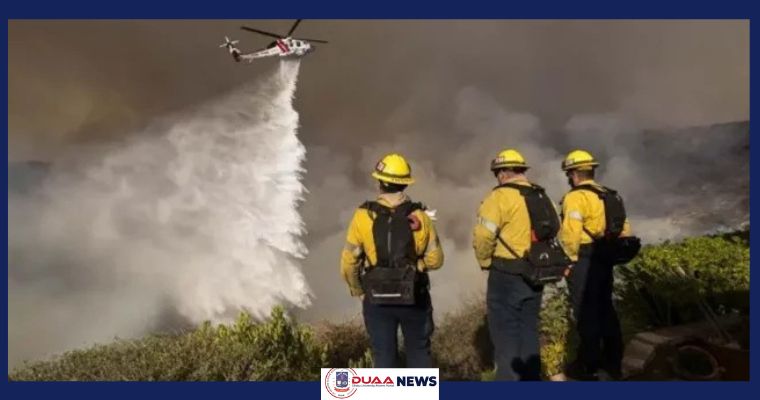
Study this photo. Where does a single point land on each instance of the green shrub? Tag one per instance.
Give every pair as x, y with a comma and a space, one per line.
278, 349
666, 283
662, 286
555, 328
488, 375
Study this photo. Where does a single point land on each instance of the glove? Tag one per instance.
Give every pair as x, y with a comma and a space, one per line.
414, 222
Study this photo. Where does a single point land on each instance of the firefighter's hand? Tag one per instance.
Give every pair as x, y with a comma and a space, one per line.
568, 270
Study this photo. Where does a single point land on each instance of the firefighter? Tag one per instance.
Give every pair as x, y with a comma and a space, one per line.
584, 226
390, 247
501, 238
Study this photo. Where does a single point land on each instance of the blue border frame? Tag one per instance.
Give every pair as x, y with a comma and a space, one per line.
477, 9
386, 9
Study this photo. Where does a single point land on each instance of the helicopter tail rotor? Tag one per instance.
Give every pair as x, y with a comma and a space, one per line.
228, 43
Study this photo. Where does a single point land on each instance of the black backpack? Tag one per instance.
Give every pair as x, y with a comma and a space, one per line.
619, 250
546, 258
394, 279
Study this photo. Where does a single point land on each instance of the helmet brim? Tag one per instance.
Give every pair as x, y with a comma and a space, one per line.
399, 180
581, 166
495, 167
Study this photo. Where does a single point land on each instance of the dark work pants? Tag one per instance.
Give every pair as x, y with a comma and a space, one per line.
513, 308
601, 342
416, 323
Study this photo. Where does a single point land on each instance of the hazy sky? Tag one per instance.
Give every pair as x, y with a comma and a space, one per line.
78, 80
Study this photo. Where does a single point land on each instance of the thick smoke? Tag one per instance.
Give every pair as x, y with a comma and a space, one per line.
193, 219
676, 183
647, 97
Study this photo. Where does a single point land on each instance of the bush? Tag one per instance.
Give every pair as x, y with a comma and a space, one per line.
278, 349
153, 358
365, 361
668, 283
662, 286
555, 328
281, 349
461, 344
345, 342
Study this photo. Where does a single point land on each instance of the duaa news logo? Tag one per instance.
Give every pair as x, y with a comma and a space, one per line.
338, 382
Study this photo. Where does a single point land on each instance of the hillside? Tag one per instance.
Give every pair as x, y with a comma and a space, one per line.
717, 269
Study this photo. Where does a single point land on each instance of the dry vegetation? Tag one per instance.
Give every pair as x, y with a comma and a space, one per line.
658, 288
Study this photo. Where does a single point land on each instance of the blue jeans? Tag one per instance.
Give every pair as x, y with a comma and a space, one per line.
601, 342
513, 308
416, 323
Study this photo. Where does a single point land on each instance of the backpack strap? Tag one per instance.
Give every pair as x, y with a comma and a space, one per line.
591, 188
409, 207
378, 208
375, 208
506, 246
523, 189
588, 232
601, 192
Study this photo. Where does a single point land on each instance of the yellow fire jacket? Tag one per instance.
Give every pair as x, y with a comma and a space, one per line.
583, 209
502, 212
360, 244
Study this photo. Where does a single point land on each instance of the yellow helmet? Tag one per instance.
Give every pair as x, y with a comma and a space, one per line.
508, 158
580, 160
393, 168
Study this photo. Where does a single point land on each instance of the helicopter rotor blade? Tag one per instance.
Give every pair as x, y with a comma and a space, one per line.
293, 28
265, 33
313, 40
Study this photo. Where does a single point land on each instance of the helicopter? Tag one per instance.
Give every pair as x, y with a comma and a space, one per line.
282, 46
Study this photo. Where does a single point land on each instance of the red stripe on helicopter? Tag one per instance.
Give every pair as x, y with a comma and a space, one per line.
282, 46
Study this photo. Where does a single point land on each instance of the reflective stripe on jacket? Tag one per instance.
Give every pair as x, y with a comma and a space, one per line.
503, 211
